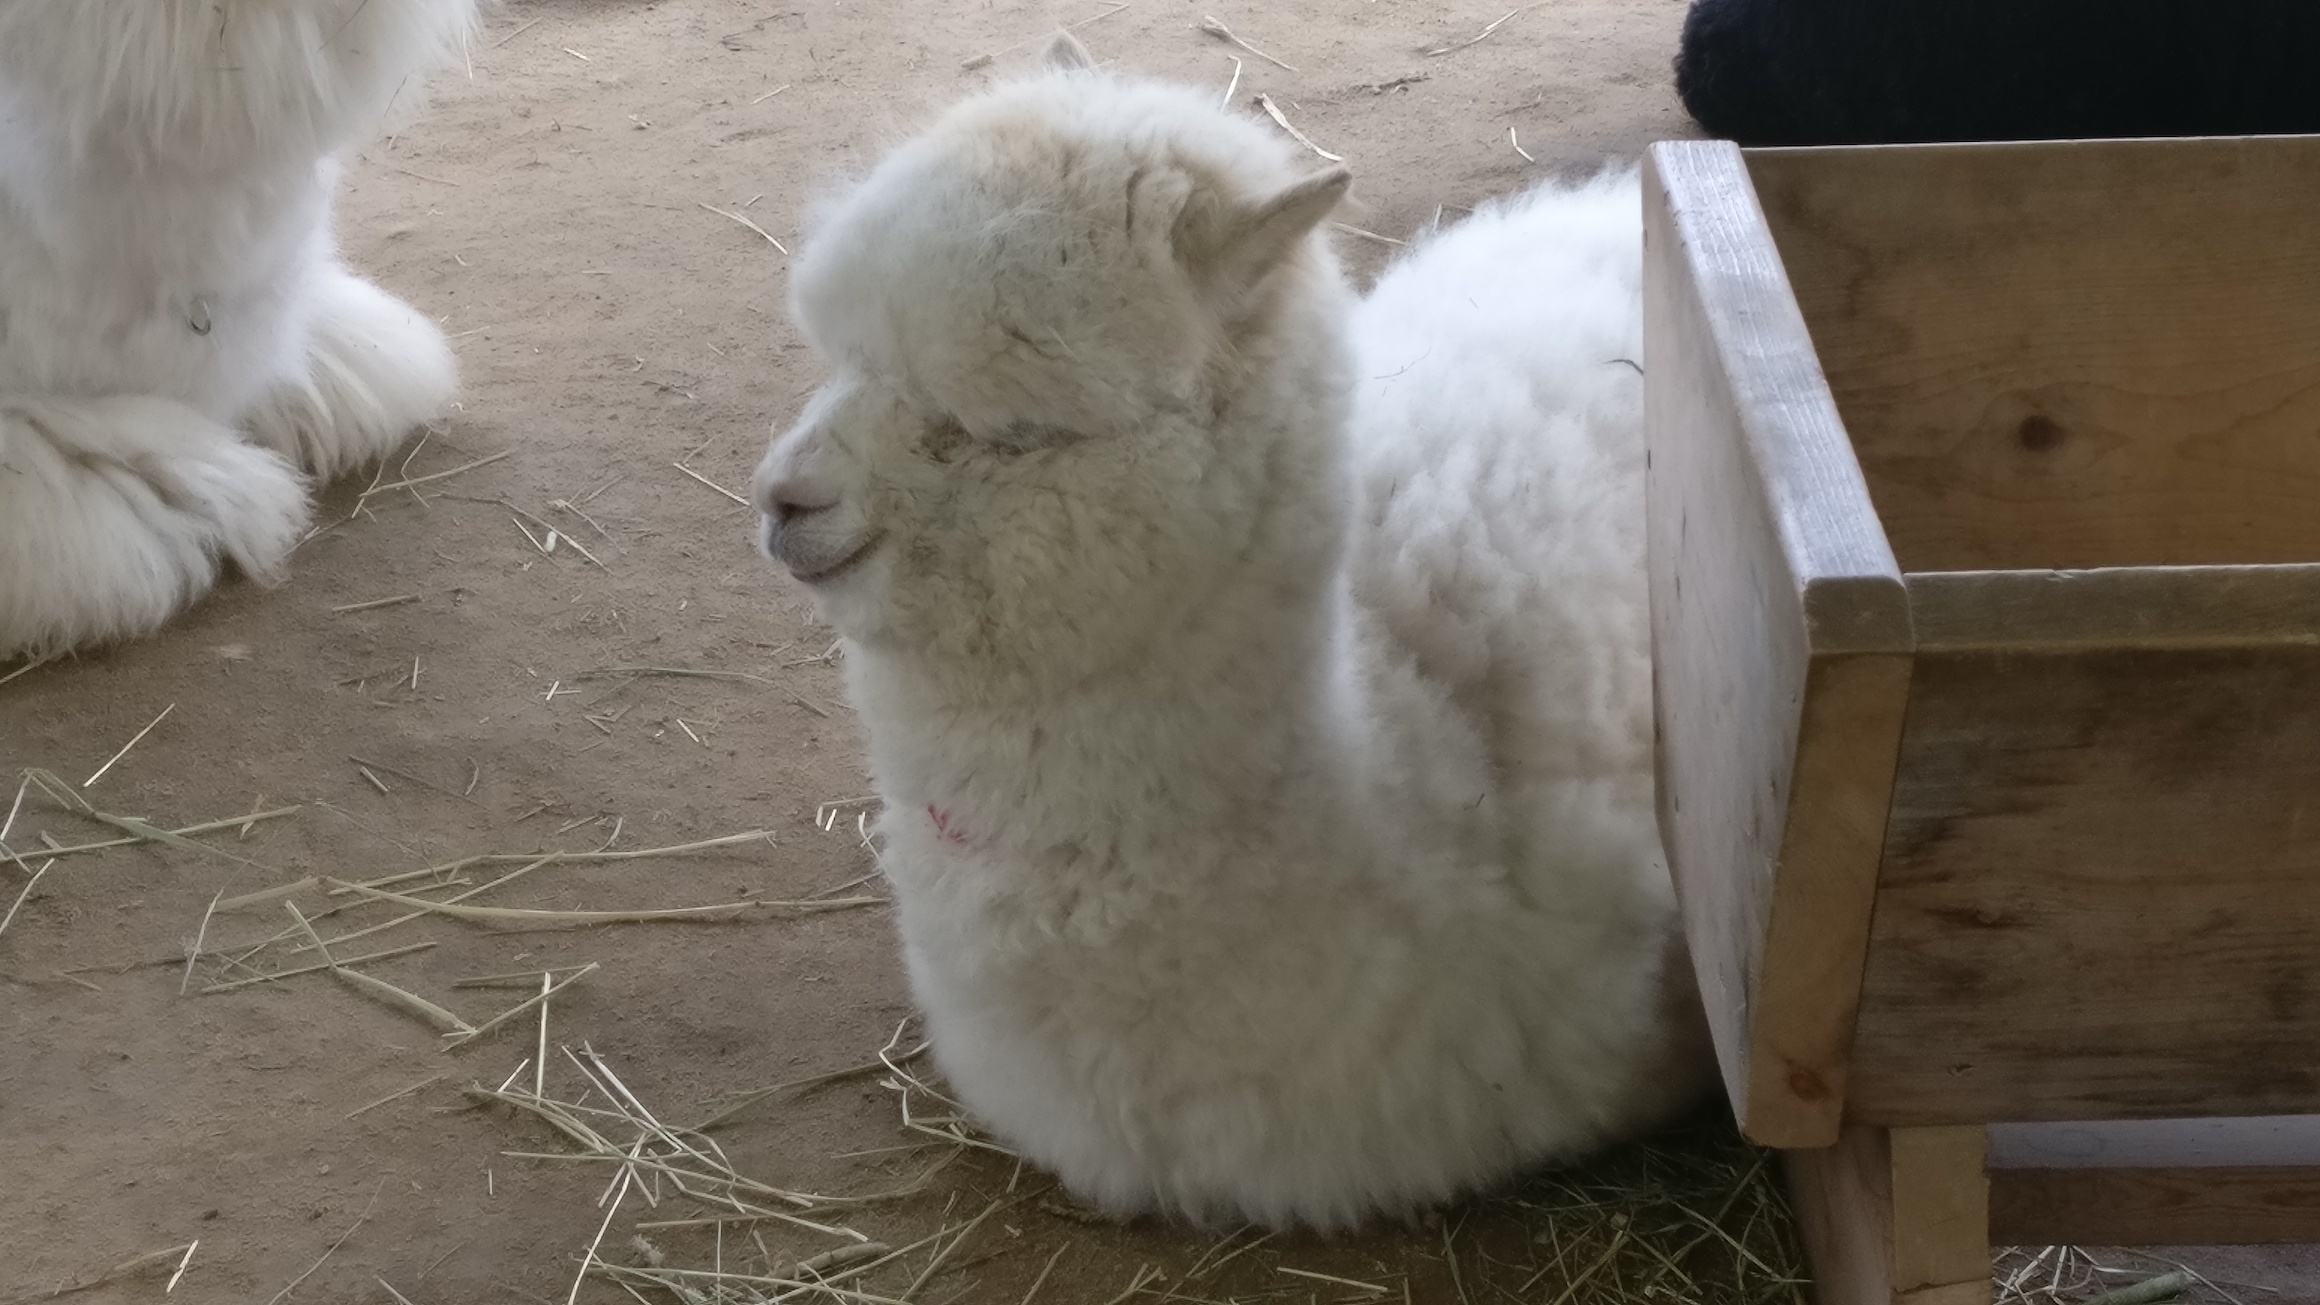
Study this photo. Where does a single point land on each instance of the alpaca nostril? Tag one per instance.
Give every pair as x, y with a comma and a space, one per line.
787, 511
786, 501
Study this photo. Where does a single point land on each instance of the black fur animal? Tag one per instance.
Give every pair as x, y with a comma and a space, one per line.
1858, 72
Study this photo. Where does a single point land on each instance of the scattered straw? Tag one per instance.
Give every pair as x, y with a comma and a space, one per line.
151, 1262
201, 935
1233, 85
10, 918
1273, 111
535, 916
985, 60
380, 988
33, 665
400, 1298
190, 1247
178, 837
548, 988
1044, 1270
729, 213
396, 601
133, 741
1215, 27
516, 33
396, 1095
360, 1220
1515, 141
408, 482
711, 483
232, 984
1484, 34
1351, 230
1370, 1287
752, 1097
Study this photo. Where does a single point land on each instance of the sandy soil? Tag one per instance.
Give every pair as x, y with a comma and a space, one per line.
549, 207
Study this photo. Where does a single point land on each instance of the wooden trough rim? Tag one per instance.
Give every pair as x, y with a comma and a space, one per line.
2137, 607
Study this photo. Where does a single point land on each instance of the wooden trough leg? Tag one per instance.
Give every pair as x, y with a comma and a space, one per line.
1896, 1216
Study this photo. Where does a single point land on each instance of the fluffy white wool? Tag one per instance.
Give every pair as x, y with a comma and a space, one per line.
178, 335
1256, 680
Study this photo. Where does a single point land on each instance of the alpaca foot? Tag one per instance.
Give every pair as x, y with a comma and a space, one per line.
115, 513
375, 368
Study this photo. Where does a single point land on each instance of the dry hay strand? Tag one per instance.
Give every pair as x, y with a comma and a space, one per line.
985, 60
138, 829
2072, 1275
532, 917
1694, 1214
610, 1124
1281, 120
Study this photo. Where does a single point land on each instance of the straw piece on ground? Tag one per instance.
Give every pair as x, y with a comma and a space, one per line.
377, 987
1273, 111
1484, 34
6, 920
359, 1221
374, 604
33, 665
711, 483
133, 741
1216, 28
743, 220
1372, 1288
193, 954
174, 837
534, 915
547, 990
985, 60
397, 1094
431, 477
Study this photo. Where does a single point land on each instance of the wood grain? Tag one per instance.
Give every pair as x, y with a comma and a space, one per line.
2123, 607
2068, 355
2100, 890
2292, 1140
2155, 1207
1772, 589
1895, 1218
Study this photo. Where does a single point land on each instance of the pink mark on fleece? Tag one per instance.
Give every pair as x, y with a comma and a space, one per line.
943, 827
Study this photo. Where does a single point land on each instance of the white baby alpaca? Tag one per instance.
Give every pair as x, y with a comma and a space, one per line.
1256, 680
178, 335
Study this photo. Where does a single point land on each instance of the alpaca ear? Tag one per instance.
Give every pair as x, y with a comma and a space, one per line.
1250, 240
1066, 54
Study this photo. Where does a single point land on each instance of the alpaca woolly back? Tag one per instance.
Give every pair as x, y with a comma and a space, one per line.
1267, 811
206, 83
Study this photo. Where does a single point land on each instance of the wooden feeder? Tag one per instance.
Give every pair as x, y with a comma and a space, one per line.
1985, 589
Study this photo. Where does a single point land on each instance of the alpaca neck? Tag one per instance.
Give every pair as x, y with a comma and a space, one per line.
1212, 721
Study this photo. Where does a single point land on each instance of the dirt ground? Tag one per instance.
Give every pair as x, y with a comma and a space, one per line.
552, 208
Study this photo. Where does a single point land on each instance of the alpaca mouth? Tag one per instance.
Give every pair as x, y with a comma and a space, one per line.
805, 572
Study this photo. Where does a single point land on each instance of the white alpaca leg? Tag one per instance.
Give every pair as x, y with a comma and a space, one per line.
115, 513
375, 368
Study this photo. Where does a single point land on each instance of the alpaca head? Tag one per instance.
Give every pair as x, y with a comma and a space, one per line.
1085, 362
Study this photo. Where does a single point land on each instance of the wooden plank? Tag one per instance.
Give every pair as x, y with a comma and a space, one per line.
2124, 607
1895, 1218
2100, 890
2068, 355
2155, 1207
1941, 1207
2272, 1141
1778, 621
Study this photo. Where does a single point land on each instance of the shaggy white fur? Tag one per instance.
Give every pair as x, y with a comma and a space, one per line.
1256, 681
178, 336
